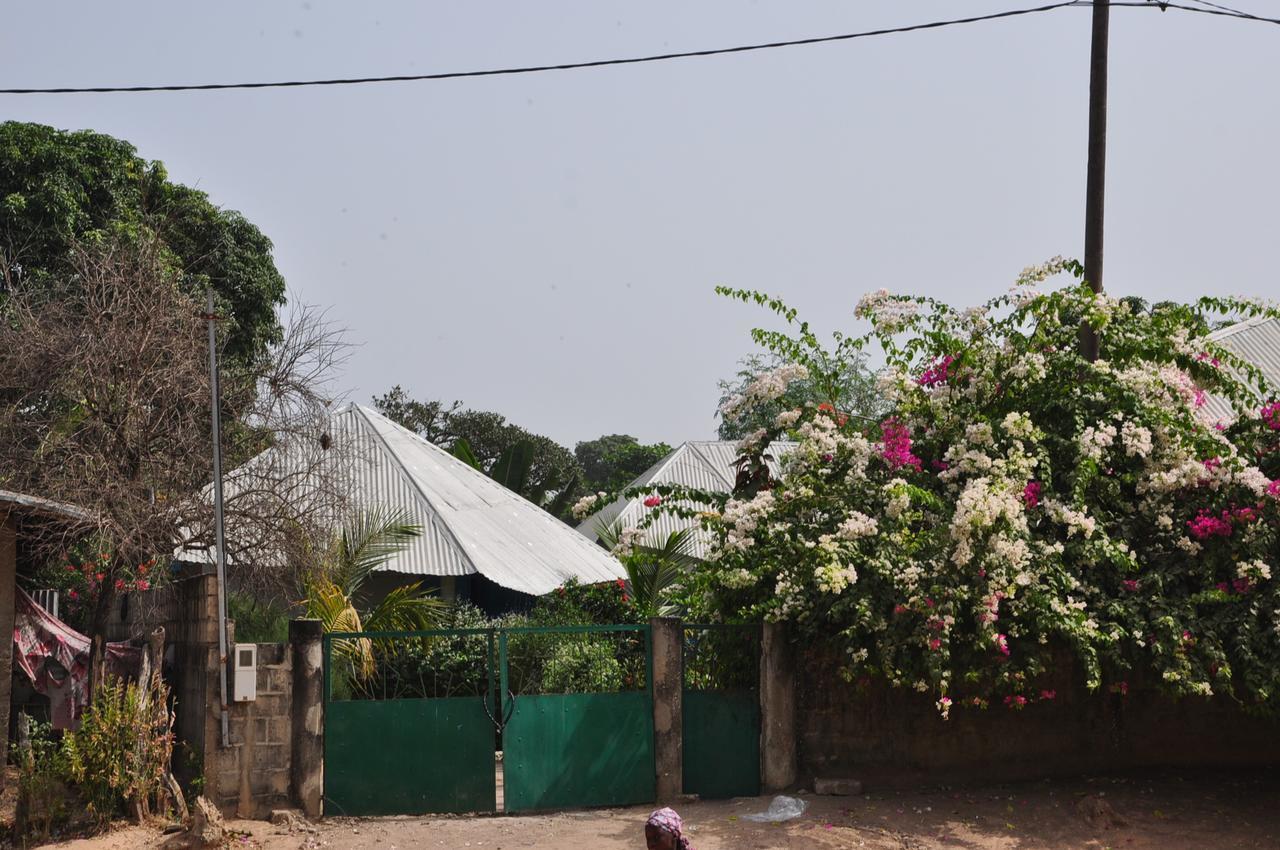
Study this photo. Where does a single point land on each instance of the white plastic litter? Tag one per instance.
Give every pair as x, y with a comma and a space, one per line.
780, 809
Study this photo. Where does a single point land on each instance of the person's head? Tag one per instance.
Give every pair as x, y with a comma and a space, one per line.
657, 838
662, 831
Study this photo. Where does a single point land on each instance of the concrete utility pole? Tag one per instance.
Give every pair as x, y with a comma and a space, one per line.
1096, 181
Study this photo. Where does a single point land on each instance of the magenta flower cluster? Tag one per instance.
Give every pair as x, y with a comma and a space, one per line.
897, 445
937, 373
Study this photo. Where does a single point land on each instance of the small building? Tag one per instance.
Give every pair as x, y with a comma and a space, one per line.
480, 541
703, 464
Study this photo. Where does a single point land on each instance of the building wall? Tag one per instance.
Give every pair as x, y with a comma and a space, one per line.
896, 736
253, 774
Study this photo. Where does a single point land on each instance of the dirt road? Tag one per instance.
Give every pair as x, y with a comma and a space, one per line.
1170, 813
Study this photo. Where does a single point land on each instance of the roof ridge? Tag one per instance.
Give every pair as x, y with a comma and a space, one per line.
413, 484
723, 476
1242, 325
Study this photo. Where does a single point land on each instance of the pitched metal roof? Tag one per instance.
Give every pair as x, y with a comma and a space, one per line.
1256, 340
704, 465
11, 501
471, 524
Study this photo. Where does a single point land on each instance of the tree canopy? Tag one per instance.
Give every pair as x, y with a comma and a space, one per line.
611, 462
58, 188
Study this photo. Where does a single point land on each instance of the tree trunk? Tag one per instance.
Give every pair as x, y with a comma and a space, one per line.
98, 634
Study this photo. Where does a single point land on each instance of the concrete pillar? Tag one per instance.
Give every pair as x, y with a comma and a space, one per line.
667, 634
306, 780
8, 575
778, 754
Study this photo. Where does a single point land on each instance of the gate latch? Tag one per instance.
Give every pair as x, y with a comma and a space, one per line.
500, 724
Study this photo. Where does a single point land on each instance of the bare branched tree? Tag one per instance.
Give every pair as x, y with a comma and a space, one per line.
105, 404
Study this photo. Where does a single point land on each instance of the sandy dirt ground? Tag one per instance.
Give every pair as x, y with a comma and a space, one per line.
1136, 813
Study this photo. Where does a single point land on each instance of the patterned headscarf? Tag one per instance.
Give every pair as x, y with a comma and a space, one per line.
669, 822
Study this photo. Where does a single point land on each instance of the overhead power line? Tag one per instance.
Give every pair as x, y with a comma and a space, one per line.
634, 60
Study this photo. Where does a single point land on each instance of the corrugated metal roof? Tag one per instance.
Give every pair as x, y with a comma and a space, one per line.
704, 465
40, 505
1256, 340
471, 524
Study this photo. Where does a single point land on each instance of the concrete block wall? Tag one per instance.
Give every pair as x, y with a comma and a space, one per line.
895, 736
253, 774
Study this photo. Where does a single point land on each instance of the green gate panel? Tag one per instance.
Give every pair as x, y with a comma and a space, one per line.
578, 750
408, 757
721, 744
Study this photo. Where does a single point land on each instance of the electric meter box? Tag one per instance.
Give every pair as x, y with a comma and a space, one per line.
244, 666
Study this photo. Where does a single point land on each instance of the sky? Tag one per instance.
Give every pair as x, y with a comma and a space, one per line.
547, 245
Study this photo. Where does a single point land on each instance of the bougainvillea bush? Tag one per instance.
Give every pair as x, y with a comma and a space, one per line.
1019, 501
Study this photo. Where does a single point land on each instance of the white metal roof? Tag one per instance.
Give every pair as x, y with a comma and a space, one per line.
1256, 340
470, 523
705, 465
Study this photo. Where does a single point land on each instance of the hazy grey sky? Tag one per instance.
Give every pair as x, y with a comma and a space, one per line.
546, 245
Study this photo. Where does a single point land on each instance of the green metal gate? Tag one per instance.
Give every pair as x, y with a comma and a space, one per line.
580, 716
414, 733
721, 710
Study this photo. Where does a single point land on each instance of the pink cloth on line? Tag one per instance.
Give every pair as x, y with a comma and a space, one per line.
55, 658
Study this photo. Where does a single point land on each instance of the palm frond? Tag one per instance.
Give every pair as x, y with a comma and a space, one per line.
370, 539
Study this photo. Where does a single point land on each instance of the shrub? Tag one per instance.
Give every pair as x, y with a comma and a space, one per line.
582, 666
122, 750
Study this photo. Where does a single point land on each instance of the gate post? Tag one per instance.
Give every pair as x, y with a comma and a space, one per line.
778, 757
306, 780
667, 636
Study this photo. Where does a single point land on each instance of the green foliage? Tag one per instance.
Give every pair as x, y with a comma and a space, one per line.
612, 462
42, 790
60, 187
844, 381
123, 748
654, 573
582, 666
333, 590
258, 620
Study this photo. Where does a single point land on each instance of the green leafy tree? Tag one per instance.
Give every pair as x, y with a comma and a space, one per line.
58, 188
842, 380
611, 462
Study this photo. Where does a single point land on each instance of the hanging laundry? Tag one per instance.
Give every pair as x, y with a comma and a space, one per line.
55, 658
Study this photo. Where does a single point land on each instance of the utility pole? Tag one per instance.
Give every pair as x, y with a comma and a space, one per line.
219, 530
1096, 181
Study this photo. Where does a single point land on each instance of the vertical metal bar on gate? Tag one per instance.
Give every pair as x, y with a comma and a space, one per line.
504, 678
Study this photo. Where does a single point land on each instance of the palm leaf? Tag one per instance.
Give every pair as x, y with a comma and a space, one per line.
371, 539
462, 451
513, 466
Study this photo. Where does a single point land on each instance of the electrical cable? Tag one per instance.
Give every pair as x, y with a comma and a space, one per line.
1217, 10
533, 69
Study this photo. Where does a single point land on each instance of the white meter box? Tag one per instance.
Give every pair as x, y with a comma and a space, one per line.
245, 668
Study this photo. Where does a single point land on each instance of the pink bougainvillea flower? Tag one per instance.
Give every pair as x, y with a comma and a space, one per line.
1206, 525
1048, 695
99, 576
935, 644
1031, 494
899, 608
142, 584
1242, 585
119, 584
897, 445
1271, 415
1223, 586
1002, 644
1130, 584
937, 373
72, 594
652, 501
